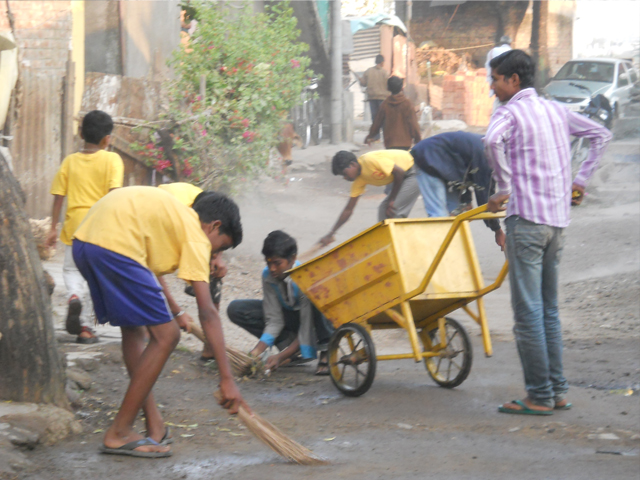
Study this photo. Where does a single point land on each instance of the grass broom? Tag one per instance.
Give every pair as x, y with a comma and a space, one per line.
271, 436
261, 428
241, 363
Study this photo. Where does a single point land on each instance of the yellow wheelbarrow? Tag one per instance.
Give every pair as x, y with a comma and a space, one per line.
401, 273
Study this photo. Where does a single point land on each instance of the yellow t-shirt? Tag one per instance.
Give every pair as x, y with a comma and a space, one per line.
184, 192
376, 168
152, 228
84, 178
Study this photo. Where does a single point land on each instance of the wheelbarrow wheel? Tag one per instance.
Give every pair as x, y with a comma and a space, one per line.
452, 366
352, 359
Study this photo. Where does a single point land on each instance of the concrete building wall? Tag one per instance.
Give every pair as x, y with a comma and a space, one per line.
151, 34
134, 39
102, 37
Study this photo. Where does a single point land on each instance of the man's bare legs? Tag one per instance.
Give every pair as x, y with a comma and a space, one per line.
163, 340
133, 346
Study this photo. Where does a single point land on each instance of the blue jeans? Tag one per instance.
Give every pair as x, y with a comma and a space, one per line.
534, 253
438, 201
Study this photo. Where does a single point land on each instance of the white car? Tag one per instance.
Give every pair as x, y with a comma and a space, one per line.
579, 80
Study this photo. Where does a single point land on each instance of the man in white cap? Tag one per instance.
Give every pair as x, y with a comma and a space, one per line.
504, 45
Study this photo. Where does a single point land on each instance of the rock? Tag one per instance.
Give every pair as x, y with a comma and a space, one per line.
11, 461
87, 364
514, 429
72, 394
603, 436
49, 423
80, 378
449, 125
21, 437
405, 426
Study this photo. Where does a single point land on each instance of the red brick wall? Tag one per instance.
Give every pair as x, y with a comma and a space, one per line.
43, 33
466, 97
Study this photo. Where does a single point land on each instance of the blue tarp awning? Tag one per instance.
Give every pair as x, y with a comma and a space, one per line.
370, 21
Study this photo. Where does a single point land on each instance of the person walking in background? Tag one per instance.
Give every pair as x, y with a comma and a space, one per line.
529, 148
375, 79
504, 45
397, 118
84, 178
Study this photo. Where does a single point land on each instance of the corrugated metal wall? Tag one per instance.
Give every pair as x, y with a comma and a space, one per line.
366, 44
37, 146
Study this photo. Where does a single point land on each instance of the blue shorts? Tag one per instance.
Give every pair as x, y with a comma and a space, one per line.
124, 293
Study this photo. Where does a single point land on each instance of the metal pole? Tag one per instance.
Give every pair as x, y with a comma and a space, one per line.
336, 72
409, 12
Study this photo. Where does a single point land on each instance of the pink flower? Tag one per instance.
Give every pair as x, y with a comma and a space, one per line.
249, 136
149, 146
187, 171
245, 123
203, 133
294, 63
162, 164
198, 98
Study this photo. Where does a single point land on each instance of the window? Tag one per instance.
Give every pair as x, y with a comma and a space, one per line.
587, 71
633, 76
623, 80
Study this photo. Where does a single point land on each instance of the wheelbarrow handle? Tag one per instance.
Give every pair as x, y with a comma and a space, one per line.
479, 213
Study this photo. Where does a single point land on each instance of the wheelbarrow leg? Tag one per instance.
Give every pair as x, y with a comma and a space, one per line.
406, 321
484, 327
411, 330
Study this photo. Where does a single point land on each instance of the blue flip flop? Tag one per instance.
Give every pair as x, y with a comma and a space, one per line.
166, 439
128, 449
524, 410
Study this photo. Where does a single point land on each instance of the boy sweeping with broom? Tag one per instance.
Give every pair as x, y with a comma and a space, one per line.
128, 239
284, 317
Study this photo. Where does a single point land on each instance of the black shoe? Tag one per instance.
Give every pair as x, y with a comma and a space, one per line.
73, 316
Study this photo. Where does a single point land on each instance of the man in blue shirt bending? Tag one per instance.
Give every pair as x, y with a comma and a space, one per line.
448, 164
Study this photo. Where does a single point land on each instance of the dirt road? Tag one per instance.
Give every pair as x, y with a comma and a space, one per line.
405, 427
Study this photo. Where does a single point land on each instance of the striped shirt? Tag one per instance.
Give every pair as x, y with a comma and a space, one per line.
529, 149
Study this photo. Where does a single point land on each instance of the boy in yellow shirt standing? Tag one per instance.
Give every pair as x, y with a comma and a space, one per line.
84, 178
393, 168
127, 240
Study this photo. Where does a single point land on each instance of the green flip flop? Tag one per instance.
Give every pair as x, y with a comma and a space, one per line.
524, 410
563, 407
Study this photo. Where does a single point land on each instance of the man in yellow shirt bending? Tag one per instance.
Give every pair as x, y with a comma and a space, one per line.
128, 239
84, 178
393, 168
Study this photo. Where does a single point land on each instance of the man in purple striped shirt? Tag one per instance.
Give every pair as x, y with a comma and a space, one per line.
528, 147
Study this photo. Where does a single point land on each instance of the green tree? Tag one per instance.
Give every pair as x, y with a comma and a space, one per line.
254, 70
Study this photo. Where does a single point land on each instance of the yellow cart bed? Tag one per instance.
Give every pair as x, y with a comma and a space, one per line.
401, 273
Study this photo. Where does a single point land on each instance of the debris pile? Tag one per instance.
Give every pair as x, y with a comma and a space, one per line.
40, 229
442, 61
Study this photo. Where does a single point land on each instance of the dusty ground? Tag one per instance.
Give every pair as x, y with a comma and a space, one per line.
405, 427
